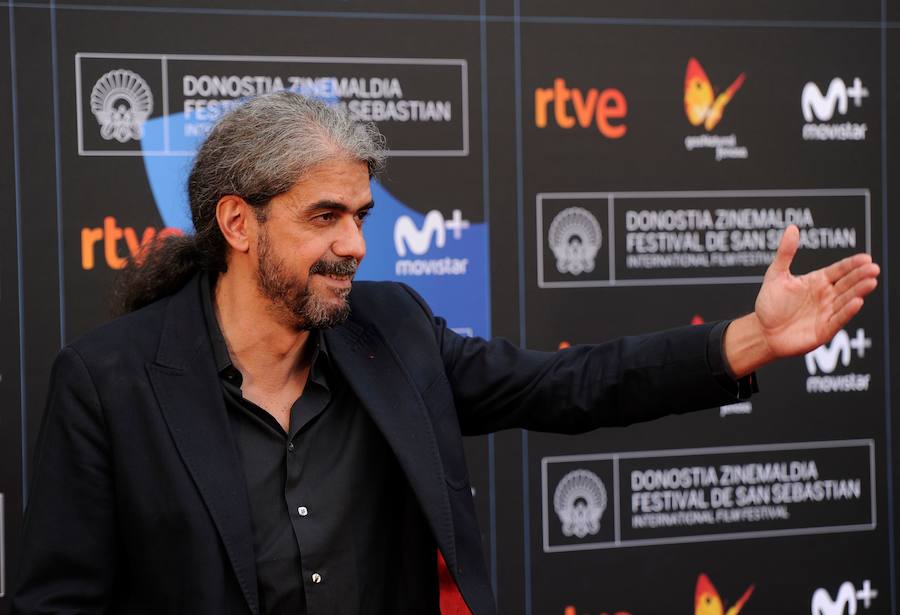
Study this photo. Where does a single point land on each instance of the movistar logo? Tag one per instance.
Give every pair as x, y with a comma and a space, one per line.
826, 356
433, 234
817, 106
407, 237
847, 600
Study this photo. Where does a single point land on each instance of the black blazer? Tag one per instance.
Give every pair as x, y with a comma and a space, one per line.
138, 503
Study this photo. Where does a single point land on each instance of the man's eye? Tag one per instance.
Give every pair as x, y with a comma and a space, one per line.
327, 217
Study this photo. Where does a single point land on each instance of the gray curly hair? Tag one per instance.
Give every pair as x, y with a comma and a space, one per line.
256, 151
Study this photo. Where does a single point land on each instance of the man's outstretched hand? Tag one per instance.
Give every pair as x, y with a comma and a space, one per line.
795, 314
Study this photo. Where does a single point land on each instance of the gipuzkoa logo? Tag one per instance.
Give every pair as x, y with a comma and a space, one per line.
575, 238
847, 599
708, 602
820, 107
419, 241
121, 101
579, 502
826, 358
704, 106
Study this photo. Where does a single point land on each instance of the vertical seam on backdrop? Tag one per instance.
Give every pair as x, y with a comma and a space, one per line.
57, 156
886, 325
2, 547
520, 228
520, 182
20, 281
485, 200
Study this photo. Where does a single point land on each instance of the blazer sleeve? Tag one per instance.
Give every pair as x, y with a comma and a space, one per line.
68, 550
497, 385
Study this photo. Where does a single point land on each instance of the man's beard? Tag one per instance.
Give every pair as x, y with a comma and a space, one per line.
293, 299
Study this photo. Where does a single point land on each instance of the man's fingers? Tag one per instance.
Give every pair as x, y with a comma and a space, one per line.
860, 289
864, 287
790, 241
847, 311
851, 278
836, 271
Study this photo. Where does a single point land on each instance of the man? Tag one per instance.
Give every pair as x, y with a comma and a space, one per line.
254, 438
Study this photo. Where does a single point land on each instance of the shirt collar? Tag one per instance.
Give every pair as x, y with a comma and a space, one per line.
224, 365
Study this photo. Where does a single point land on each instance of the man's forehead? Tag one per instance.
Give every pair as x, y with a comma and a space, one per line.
334, 168
344, 182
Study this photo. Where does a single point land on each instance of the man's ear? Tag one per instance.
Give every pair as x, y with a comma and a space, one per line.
236, 221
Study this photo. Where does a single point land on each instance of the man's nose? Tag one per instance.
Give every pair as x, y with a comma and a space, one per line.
350, 241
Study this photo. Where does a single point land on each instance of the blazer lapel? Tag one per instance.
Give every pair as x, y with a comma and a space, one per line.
385, 389
188, 390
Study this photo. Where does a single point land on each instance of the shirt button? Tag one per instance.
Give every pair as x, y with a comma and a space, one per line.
303, 511
316, 577
291, 446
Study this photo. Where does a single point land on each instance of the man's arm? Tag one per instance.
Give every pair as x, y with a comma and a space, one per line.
795, 314
68, 550
496, 385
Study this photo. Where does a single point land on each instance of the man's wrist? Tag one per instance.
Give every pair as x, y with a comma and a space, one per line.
740, 387
744, 347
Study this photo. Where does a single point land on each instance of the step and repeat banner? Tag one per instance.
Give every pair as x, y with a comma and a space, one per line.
558, 176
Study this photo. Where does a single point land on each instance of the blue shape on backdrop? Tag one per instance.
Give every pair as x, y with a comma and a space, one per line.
167, 174
462, 299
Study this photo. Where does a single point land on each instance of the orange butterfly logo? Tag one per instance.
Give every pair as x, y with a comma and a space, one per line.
708, 602
701, 105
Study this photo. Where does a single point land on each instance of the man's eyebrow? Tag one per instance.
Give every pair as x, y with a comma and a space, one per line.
327, 205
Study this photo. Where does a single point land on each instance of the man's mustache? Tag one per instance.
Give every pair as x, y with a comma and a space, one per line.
343, 267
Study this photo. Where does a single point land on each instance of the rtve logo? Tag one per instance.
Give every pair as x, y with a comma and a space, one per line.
433, 232
109, 235
826, 356
590, 107
818, 106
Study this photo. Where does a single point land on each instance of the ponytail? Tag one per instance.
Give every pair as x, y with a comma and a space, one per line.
157, 271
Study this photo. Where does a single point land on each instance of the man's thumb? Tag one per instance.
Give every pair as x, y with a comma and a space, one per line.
790, 241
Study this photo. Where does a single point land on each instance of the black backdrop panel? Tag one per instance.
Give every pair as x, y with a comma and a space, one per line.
587, 202
891, 277
121, 186
119, 194
642, 220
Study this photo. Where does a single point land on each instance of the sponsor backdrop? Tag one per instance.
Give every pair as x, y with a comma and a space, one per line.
557, 176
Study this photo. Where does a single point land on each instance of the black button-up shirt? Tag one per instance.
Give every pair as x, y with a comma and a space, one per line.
336, 528
321, 495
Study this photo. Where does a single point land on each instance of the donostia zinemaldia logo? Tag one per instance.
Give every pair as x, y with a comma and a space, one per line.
121, 101
575, 237
579, 502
